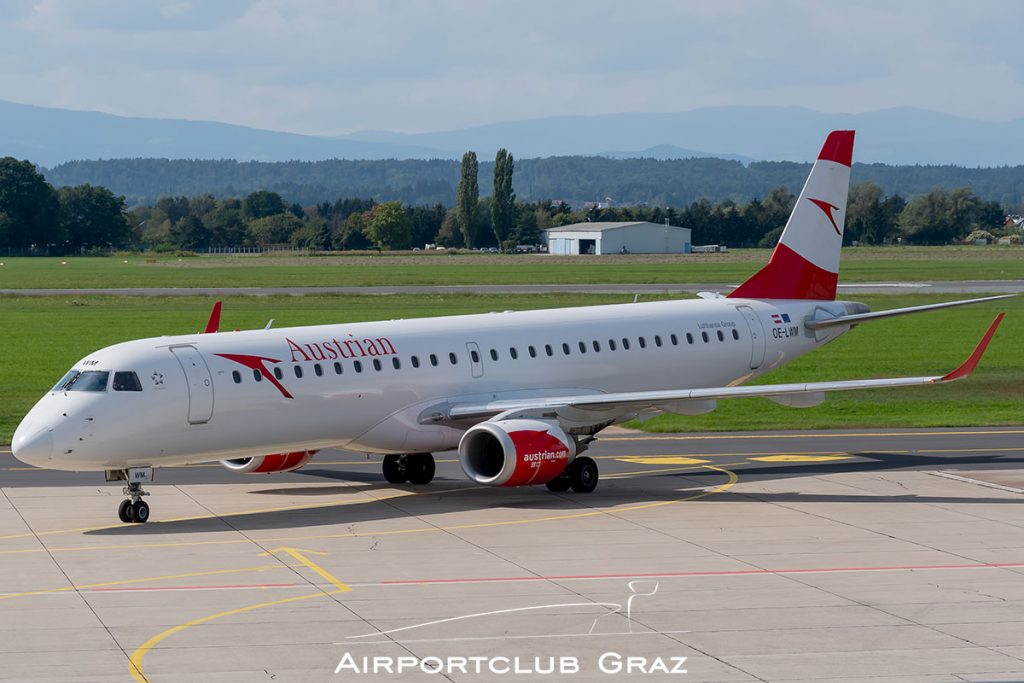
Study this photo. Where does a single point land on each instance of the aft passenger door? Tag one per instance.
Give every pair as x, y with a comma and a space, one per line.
756, 336
199, 381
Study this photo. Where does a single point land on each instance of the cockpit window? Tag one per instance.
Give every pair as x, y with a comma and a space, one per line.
90, 380
127, 381
59, 386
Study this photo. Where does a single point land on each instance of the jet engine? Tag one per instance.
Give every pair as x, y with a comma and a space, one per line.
266, 464
517, 452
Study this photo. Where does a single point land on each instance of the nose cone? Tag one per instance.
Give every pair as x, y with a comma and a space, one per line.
33, 446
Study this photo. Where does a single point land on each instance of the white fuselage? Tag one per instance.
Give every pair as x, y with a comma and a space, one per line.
200, 399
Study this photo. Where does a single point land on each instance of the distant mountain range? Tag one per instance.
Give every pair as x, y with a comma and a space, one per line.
665, 152
50, 136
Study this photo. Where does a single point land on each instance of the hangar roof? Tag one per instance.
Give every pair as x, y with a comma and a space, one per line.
609, 225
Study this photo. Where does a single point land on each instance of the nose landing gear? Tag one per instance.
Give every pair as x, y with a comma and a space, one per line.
133, 509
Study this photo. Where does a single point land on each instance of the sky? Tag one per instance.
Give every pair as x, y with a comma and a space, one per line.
334, 66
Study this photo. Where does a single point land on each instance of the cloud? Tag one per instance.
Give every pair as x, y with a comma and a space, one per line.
320, 66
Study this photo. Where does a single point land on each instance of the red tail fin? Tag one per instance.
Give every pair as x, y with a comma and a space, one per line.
805, 263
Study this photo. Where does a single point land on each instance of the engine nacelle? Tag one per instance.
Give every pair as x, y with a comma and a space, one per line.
266, 464
515, 452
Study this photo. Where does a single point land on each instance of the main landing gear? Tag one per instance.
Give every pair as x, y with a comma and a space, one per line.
415, 468
133, 509
581, 476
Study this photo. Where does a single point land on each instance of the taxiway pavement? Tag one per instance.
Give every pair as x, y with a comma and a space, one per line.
859, 555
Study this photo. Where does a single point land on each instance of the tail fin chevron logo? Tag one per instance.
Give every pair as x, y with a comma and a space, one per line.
828, 209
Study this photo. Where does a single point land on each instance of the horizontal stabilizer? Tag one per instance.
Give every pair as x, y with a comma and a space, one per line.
892, 313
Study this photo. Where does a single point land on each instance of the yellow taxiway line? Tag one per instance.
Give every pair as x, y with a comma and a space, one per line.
147, 579
135, 662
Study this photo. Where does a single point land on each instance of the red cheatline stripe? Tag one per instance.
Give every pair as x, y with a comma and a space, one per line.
735, 572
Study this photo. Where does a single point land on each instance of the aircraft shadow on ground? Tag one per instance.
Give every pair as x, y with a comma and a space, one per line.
461, 496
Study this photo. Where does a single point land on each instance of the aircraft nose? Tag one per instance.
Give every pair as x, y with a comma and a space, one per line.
33, 448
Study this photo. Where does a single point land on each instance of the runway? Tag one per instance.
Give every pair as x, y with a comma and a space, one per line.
853, 555
929, 287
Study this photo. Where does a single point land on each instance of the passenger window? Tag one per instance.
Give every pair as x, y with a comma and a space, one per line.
278, 374
533, 351
704, 336
689, 338
396, 364
129, 381
735, 334
357, 366
548, 350
625, 344
597, 346
318, 370
583, 347
494, 354
452, 358
433, 360
721, 337
475, 356
674, 339
337, 368
611, 344
657, 340
235, 375
415, 361
643, 342
512, 352
298, 371
565, 348
376, 364
257, 375
90, 380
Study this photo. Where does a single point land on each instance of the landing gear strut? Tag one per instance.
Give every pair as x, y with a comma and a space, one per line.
415, 468
133, 509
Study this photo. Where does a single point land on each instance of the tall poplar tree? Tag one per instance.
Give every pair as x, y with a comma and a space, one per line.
503, 207
467, 196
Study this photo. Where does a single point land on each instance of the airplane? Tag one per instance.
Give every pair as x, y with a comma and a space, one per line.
520, 395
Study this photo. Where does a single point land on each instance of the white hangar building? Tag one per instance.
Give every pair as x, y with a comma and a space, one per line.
635, 237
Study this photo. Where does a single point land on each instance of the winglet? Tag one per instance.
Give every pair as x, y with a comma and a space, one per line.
967, 367
213, 324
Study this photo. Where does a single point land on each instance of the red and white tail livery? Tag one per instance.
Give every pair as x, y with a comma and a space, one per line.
805, 263
519, 394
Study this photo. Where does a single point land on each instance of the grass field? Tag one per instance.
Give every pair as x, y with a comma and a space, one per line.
439, 268
44, 336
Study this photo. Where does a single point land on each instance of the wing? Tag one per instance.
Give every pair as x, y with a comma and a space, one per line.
640, 400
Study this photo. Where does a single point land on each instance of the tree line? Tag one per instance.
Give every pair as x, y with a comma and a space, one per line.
36, 217
678, 182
